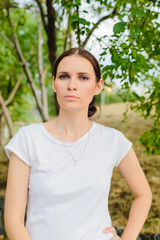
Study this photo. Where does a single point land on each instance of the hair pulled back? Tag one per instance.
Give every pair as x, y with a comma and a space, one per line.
83, 53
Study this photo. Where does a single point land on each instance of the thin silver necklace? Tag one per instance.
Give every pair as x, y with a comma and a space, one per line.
75, 160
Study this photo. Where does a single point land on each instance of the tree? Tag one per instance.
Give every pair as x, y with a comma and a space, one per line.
133, 47
42, 103
135, 59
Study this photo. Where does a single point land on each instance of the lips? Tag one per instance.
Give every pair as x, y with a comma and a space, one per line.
71, 96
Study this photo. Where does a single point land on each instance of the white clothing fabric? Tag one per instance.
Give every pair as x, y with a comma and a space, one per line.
67, 202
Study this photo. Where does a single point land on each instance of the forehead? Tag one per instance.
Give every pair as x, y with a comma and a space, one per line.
75, 63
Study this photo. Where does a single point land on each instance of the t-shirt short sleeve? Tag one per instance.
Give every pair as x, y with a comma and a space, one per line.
123, 145
18, 145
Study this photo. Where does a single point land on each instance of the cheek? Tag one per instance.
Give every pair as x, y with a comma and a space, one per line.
59, 86
89, 91
87, 96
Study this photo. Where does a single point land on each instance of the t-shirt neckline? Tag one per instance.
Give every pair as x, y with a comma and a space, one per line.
66, 143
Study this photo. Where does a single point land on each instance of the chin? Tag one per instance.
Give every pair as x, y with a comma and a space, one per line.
71, 108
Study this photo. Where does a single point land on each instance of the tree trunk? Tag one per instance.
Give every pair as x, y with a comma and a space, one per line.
51, 32
7, 116
42, 72
49, 23
2, 118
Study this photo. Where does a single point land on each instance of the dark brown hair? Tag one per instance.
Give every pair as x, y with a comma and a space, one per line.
83, 53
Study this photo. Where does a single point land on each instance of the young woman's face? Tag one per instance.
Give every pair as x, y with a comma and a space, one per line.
76, 77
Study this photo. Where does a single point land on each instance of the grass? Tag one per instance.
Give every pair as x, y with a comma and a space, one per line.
120, 196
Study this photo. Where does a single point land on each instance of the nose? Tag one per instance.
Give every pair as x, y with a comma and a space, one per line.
72, 85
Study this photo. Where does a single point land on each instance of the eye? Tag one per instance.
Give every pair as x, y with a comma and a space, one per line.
63, 76
83, 77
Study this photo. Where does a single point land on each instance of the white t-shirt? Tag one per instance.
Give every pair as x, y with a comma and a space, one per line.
68, 202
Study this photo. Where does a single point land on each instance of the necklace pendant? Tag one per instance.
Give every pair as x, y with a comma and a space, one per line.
75, 160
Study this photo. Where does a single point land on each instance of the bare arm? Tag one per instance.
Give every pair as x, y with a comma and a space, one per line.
16, 199
132, 172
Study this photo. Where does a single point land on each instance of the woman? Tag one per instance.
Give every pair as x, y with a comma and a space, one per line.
62, 168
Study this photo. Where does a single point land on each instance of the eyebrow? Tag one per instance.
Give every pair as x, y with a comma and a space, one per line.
78, 73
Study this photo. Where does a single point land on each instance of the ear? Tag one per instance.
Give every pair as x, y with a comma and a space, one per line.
99, 87
53, 84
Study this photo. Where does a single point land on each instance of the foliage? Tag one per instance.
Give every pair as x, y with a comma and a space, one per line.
135, 56
10, 71
25, 23
133, 49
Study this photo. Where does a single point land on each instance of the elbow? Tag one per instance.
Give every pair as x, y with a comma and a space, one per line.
7, 225
145, 196
11, 223
149, 196
148, 199
12, 228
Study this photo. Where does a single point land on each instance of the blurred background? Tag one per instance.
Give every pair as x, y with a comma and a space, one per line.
124, 36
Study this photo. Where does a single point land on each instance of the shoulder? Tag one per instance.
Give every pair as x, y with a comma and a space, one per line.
30, 129
110, 133
105, 129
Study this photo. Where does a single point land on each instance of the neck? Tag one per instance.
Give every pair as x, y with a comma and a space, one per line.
72, 125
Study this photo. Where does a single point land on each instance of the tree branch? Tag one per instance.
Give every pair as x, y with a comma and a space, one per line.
24, 63
7, 115
14, 90
7, 39
78, 26
40, 61
40, 68
111, 15
11, 44
51, 32
44, 95
42, 15
50, 28
67, 30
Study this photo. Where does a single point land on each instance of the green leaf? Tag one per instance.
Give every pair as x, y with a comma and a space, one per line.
136, 96
85, 11
82, 32
150, 139
88, 30
107, 68
103, 53
135, 32
139, 12
119, 27
83, 21
124, 45
78, 2
105, 75
121, 16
